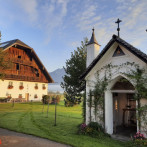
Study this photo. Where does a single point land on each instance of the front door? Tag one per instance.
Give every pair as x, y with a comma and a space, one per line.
27, 97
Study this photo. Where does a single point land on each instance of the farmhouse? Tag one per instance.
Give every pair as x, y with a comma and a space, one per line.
27, 79
117, 111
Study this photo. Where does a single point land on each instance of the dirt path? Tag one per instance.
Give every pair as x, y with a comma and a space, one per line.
14, 139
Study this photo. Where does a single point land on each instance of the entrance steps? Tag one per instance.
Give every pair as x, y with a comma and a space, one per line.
120, 137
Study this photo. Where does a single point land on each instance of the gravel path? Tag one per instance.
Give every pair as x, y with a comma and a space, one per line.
14, 139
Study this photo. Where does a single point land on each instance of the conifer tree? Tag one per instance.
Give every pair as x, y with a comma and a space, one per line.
75, 66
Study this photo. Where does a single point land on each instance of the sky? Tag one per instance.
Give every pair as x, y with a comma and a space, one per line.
55, 28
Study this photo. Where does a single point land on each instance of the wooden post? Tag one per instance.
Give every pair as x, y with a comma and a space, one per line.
43, 106
55, 111
13, 103
90, 104
48, 107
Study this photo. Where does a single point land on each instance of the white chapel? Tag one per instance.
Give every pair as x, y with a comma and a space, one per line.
119, 105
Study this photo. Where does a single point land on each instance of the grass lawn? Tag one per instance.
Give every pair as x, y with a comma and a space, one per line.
28, 118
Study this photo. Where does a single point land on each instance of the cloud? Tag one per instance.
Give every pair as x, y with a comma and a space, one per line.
29, 7
132, 13
134, 23
138, 13
75, 44
52, 16
46, 16
86, 18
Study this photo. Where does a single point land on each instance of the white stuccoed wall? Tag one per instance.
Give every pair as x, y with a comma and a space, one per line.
28, 88
108, 112
91, 76
92, 52
144, 129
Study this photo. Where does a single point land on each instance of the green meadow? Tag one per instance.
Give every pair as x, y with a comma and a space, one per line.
28, 118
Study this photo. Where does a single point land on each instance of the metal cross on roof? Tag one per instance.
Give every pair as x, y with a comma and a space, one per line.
93, 29
118, 21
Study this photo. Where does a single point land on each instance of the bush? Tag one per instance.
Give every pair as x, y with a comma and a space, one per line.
58, 99
55, 99
139, 139
93, 129
52, 99
71, 101
4, 99
96, 126
45, 99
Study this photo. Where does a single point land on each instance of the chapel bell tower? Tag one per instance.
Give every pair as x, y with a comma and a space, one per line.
92, 49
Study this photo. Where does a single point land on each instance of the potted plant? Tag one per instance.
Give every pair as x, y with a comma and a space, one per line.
43, 87
10, 86
35, 96
20, 96
36, 87
21, 87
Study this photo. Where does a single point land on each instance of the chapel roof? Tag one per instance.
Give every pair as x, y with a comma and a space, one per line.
93, 38
117, 39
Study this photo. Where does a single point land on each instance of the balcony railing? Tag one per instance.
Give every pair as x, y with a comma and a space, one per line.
23, 78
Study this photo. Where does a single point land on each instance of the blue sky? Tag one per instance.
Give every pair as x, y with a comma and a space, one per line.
54, 28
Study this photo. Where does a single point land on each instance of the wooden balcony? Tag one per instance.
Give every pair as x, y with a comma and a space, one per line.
23, 78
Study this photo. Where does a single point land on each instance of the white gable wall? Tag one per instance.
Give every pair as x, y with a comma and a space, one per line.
91, 76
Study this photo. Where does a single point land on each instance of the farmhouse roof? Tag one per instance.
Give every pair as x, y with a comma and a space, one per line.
16, 42
7, 44
117, 39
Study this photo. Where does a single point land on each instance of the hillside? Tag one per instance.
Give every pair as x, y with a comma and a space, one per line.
57, 75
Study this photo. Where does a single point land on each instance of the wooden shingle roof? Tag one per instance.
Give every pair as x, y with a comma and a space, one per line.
17, 42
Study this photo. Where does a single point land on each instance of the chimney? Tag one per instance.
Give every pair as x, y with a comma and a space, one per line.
92, 49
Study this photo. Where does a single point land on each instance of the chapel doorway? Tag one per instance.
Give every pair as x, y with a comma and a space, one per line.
124, 108
124, 114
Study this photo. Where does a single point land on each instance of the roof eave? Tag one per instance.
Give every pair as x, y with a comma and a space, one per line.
118, 40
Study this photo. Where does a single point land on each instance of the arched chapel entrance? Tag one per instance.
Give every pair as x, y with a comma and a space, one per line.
120, 108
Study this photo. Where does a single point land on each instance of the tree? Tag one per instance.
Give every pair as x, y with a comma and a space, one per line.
4, 61
75, 66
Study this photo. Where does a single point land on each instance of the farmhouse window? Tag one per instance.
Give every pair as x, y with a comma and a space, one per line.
43, 86
19, 57
21, 83
20, 96
11, 83
17, 66
36, 86
35, 96
21, 86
